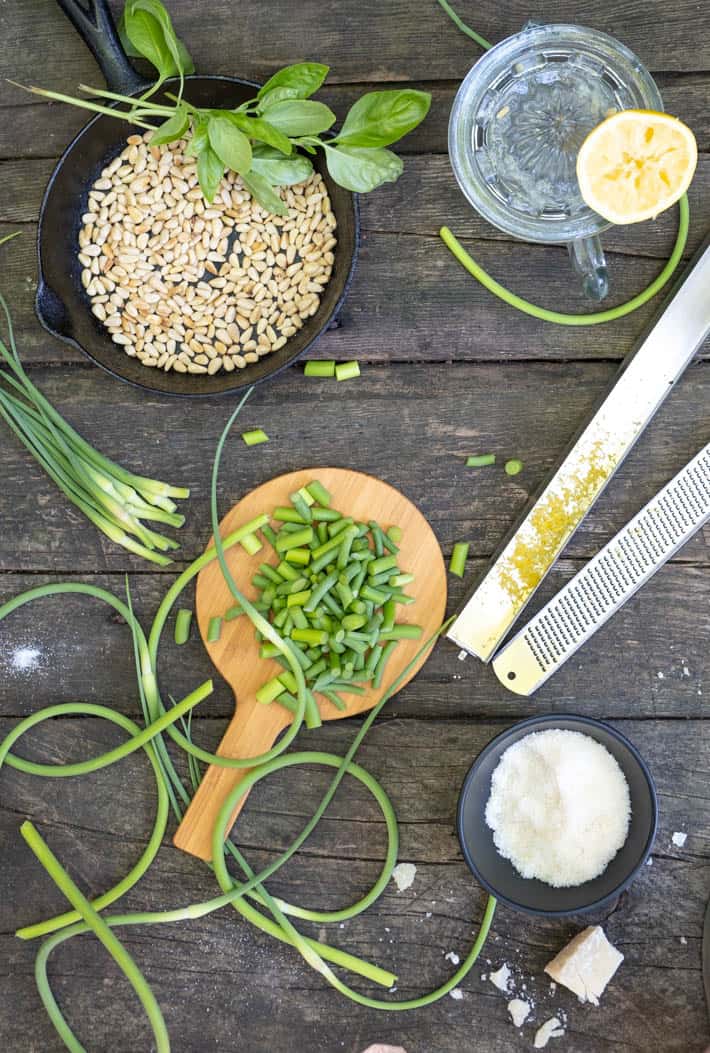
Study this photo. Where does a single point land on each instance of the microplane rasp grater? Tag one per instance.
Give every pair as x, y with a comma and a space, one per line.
645, 380
604, 585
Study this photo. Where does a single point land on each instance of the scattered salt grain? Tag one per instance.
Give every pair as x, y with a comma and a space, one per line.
552, 1028
519, 1011
452, 957
649, 861
683, 940
660, 675
25, 659
456, 993
428, 914
403, 876
679, 838
559, 807
501, 978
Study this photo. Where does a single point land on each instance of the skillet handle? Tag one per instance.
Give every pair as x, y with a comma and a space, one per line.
94, 23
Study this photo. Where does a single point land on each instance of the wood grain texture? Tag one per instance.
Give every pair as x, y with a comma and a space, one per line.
644, 662
275, 1002
255, 727
410, 301
369, 42
448, 371
412, 426
36, 129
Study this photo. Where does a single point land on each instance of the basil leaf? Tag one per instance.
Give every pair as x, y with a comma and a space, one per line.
150, 30
231, 146
131, 51
300, 117
361, 169
276, 95
278, 170
262, 191
382, 117
303, 79
172, 129
146, 36
262, 131
209, 172
199, 141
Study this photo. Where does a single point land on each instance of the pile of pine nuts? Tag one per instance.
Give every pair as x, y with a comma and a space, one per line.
195, 287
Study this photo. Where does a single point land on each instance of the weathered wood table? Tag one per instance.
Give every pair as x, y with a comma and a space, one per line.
447, 371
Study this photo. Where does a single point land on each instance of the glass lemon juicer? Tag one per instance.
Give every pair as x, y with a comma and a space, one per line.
516, 126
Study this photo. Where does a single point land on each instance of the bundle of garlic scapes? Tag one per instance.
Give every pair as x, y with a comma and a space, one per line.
115, 500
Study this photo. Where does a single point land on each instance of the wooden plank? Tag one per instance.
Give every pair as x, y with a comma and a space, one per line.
422, 199
432, 419
642, 663
655, 1000
36, 128
411, 301
375, 42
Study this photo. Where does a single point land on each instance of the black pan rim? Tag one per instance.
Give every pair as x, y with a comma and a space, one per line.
552, 718
234, 388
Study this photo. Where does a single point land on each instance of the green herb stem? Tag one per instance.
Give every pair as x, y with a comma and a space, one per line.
102, 932
459, 555
481, 460
325, 368
255, 437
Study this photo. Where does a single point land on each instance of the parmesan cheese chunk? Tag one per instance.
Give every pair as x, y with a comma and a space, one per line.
586, 964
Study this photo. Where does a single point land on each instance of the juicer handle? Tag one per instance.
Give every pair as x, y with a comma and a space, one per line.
588, 260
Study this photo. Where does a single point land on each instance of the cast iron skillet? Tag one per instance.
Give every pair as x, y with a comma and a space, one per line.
63, 306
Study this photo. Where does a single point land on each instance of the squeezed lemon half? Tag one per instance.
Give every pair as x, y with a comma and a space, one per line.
635, 164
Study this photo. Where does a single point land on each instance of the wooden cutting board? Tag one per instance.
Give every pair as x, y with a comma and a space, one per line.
255, 727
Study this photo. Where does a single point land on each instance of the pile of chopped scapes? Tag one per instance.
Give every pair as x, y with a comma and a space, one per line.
248, 893
115, 500
334, 595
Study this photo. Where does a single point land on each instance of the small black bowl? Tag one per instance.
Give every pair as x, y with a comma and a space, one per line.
529, 895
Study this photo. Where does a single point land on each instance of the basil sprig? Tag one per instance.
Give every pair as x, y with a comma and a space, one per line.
264, 140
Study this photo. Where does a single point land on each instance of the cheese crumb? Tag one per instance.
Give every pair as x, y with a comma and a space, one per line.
452, 957
456, 993
552, 1028
586, 964
501, 978
519, 1011
403, 876
25, 659
679, 838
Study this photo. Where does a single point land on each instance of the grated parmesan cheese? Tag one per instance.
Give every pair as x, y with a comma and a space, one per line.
559, 807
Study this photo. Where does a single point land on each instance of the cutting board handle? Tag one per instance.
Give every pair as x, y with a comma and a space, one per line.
253, 730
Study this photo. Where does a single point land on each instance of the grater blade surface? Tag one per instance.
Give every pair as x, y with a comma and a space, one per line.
644, 382
608, 580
